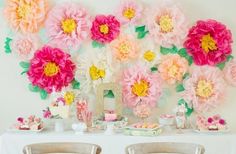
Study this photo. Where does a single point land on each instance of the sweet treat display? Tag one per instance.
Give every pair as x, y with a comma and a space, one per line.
147, 125
31, 123
214, 123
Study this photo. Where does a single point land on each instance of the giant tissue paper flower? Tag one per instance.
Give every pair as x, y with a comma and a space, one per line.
25, 45
205, 89
172, 68
139, 84
67, 25
51, 69
129, 11
230, 72
209, 42
93, 68
167, 25
125, 48
105, 28
26, 16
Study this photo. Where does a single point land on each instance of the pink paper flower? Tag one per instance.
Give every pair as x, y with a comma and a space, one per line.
125, 48
47, 114
51, 69
230, 72
105, 28
138, 84
205, 89
172, 68
129, 11
167, 25
26, 16
25, 45
67, 25
209, 42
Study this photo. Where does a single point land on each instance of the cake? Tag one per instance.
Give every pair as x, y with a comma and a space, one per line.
110, 117
214, 123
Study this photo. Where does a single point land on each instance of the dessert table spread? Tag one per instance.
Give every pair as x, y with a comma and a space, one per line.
13, 143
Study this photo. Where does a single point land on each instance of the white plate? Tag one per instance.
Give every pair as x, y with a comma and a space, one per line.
11, 130
211, 131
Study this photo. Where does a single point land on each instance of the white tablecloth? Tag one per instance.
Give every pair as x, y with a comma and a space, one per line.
12, 143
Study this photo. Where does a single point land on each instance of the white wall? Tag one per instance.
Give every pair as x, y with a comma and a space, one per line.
16, 100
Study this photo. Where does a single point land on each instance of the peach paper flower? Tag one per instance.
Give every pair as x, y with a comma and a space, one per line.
26, 16
230, 72
124, 48
173, 68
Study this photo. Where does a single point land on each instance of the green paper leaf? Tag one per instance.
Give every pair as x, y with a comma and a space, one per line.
22, 73
43, 94
141, 35
179, 88
33, 88
24, 64
109, 94
154, 69
174, 50
186, 75
189, 110
75, 84
189, 59
96, 44
182, 52
165, 51
140, 28
230, 57
7, 45
221, 66
181, 101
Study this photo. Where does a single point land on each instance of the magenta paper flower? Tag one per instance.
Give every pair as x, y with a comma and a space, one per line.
67, 25
205, 89
105, 28
139, 84
167, 25
230, 72
129, 11
209, 42
51, 69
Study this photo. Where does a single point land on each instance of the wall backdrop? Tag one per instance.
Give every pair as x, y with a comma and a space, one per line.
17, 100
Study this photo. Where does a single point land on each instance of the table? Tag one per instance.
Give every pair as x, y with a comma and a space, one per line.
12, 143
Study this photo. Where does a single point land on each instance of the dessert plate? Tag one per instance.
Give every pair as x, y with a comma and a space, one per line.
12, 130
211, 131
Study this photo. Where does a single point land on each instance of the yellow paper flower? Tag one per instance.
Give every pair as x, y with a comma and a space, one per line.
69, 97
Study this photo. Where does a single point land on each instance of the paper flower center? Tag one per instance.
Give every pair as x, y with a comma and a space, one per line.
149, 55
140, 88
166, 23
208, 43
204, 89
129, 13
51, 69
68, 26
173, 70
124, 48
96, 73
69, 97
23, 10
104, 29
